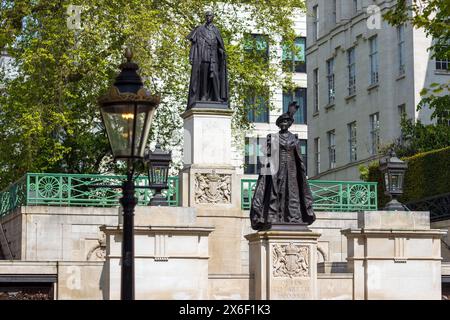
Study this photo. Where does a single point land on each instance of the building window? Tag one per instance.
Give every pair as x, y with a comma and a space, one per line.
401, 110
254, 153
330, 78
295, 61
316, 156
351, 71
355, 6
373, 60
442, 65
374, 133
304, 153
401, 49
352, 141
258, 109
331, 149
298, 95
256, 46
334, 17
316, 22
401, 113
316, 89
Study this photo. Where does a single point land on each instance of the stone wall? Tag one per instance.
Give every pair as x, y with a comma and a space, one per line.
49, 233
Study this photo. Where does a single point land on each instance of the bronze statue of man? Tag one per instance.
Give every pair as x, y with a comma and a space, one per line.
209, 81
282, 195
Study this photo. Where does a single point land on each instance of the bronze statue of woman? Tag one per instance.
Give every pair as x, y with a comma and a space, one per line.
282, 196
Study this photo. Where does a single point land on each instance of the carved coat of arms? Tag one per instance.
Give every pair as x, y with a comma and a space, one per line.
290, 260
212, 188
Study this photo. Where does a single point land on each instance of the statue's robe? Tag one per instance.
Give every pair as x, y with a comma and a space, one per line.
282, 195
198, 53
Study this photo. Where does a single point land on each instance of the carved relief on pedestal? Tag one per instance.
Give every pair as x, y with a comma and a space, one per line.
290, 261
212, 188
98, 253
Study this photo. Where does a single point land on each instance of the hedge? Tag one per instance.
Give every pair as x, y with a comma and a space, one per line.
428, 175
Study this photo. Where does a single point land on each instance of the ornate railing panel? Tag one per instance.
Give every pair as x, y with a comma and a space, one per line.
439, 206
328, 195
76, 190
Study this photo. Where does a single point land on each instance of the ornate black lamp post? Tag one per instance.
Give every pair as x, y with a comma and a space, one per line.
393, 170
158, 174
127, 111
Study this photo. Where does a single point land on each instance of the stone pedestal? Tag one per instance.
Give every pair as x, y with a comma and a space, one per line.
209, 183
208, 177
171, 255
283, 265
394, 255
207, 136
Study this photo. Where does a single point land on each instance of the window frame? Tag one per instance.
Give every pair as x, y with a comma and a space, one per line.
373, 58
352, 141
316, 89
331, 81
331, 149
351, 67
317, 156
303, 105
401, 49
316, 22
374, 120
289, 59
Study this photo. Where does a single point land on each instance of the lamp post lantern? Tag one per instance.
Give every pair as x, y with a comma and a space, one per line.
127, 111
393, 170
158, 173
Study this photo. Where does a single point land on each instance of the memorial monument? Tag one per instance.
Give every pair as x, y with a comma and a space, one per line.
282, 196
209, 80
283, 253
208, 180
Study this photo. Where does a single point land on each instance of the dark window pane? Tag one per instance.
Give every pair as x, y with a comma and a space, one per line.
298, 95
258, 109
295, 62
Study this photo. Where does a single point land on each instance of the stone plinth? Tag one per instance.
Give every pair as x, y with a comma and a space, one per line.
208, 177
170, 262
394, 255
283, 264
171, 254
207, 136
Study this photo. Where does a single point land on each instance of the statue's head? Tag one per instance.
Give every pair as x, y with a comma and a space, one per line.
285, 121
209, 16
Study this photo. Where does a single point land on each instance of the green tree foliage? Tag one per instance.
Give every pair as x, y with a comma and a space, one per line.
49, 119
418, 138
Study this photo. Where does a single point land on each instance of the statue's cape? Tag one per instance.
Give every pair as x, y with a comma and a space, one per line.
197, 38
266, 190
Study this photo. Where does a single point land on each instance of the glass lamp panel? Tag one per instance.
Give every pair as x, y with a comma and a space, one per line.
386, 182
159, 173
143, 122
118, 121
395, 181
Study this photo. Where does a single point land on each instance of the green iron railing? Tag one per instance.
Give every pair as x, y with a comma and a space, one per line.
328, 195
76, 190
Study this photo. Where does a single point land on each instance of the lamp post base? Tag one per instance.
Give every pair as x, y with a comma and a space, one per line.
394, 205
159, 200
